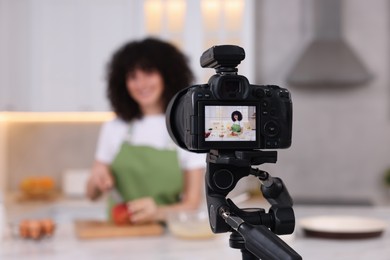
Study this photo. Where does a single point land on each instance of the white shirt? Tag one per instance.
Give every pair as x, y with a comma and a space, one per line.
150, 131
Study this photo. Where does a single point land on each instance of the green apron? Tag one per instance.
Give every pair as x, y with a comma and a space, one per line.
236, 128
144, 171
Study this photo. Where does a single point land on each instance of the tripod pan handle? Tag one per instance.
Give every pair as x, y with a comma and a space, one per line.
264, 244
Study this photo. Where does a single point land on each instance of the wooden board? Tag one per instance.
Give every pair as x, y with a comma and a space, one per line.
90, 229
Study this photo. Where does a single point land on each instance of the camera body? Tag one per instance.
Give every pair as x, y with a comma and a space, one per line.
230, 119
228, 112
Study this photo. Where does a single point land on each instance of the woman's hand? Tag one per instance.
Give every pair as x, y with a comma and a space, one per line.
100, 180
146, 210
143, 210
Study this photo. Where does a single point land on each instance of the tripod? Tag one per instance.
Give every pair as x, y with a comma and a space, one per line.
253, 230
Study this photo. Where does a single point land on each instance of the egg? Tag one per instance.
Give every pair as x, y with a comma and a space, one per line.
35, 229
47, 226
24, 228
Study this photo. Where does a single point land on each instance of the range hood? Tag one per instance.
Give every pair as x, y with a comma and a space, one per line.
328, 61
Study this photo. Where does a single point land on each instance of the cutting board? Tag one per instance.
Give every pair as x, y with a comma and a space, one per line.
90, 229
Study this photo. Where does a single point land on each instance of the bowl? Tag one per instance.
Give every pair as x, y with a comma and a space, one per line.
189, 224
37, 187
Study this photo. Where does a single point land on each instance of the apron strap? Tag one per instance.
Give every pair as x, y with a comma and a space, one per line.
129, 134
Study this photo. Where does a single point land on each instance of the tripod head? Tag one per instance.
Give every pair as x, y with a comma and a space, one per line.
253, 230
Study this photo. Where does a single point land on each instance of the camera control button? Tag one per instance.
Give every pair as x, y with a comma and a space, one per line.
264, 104
207, 95
199, 95
272, 144
264, 113
268, 93
259, 93
271, 128
284, 94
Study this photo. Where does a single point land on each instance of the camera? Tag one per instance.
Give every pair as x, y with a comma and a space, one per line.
230, 119
228, 112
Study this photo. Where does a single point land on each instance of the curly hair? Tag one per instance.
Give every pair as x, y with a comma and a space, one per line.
238, 113
149, 55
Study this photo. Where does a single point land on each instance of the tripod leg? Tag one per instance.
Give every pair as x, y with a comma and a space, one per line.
246, 255
237, 241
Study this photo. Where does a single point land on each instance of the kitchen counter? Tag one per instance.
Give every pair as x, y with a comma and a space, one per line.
65, 245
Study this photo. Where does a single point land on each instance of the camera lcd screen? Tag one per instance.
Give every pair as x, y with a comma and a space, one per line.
230, 123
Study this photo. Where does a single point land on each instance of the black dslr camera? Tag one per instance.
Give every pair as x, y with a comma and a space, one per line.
231, 120
228, 112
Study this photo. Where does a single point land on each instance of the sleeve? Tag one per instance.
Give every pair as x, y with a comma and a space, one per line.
104, 150
190, 161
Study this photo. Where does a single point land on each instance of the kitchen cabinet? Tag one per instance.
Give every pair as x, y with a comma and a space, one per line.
54, 53
13, 54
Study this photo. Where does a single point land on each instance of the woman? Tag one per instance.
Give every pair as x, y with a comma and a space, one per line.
236, 118
135, 154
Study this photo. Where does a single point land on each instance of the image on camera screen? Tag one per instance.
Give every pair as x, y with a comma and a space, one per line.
230, 123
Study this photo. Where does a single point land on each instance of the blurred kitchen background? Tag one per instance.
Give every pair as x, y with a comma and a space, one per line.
334, 57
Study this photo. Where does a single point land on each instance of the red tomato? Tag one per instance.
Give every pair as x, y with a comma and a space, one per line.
120, 214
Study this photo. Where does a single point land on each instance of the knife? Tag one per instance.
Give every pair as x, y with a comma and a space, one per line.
116, 196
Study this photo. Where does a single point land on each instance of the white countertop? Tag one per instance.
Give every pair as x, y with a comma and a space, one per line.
65, 245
